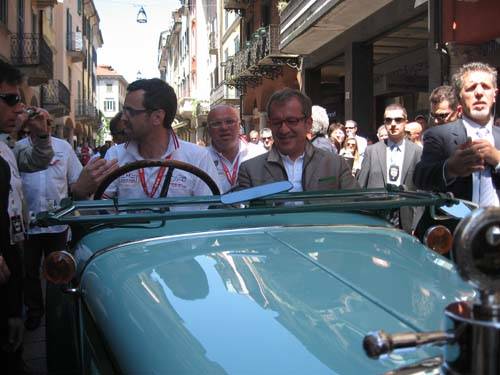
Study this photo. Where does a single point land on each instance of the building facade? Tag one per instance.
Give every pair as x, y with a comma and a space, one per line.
55, 43
111, 90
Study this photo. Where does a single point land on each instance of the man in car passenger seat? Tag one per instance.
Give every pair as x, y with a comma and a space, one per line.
292, 157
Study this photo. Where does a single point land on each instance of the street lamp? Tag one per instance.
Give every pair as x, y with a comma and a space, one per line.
141, 16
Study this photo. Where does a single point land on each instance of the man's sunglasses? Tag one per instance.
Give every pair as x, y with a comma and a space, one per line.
11, 99
440, 116
397, 120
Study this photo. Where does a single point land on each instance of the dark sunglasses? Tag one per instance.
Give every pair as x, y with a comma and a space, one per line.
132, 112
397, 120
10, 99
440, 116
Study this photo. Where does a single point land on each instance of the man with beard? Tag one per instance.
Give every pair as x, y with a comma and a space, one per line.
228, 151
292, 157
463, 156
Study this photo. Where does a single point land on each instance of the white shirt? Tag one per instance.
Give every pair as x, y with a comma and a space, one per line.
293, 170
395, 157
362, 144
15, 207
45, 189
182, 184
227, 171
472, 131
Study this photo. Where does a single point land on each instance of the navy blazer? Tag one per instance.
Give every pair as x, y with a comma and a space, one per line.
440, 142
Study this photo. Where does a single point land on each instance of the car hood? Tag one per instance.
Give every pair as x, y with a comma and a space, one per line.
266, 300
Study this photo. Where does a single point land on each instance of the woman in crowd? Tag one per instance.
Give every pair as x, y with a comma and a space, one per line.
337, 135
350, 152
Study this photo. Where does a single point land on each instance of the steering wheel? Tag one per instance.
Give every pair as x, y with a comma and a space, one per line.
170, 164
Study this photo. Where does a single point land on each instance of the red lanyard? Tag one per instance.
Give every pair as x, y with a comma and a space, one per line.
231, 177
159, 175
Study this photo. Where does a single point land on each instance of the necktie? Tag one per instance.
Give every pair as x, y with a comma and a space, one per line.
487, 192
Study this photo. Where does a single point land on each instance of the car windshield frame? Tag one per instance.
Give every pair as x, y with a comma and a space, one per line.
123, 211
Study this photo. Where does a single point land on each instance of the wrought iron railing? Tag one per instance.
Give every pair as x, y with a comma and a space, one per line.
260, 58
29, 50
56, 94
85, 110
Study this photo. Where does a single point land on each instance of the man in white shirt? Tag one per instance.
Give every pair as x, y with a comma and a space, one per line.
44, 191
228, 150
148, 113
392, 162
463, 157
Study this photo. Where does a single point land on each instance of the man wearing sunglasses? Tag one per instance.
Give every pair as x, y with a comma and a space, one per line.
392, 162
292, 157
148, 113
463, 157
444, 105
228, 150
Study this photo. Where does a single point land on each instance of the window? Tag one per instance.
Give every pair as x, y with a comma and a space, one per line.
109, 105
79, 7
236, 44
109, 87
3, 11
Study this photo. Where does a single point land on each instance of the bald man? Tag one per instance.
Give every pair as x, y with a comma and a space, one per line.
228, 150
413, 131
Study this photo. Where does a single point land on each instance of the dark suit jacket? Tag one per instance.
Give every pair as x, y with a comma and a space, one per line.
322, 170
11, 292
373, 174
440, 142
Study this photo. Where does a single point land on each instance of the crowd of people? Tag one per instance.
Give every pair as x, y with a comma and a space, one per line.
459, 151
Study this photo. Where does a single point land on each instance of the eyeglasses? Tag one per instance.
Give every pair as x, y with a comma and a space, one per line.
228, 122
351, 144
11, 99
132, 112
440, 116
289, 121
350, 128
397, 120
266, 138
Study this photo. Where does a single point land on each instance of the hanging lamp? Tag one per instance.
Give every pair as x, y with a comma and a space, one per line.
141, 16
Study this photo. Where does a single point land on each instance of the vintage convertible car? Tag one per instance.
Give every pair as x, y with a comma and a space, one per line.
252, 282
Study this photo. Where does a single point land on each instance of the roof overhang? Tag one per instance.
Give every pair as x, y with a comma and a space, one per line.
306, 26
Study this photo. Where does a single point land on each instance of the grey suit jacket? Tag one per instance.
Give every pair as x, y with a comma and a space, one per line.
322, 170
373, 174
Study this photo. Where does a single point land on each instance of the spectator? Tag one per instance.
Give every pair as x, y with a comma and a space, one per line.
319, 129
267, 138
444, 105
292, 157
382, 133
337, 135
350, 152
422, 121
85, 153
463, 157
228, 151
413, 131
351, 129
393, 163
117, 129
44, 191
254, 137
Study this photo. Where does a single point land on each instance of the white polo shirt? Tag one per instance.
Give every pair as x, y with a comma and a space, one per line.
15, 207
45, 189
182, 184
227, 171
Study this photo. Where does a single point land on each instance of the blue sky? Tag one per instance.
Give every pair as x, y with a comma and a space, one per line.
128, 45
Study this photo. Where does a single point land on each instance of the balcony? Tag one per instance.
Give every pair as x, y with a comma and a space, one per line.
55, 98
74, 46
41, 4
223, 95
31, 54
85, 111
260, 58
212, 43
238, 6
